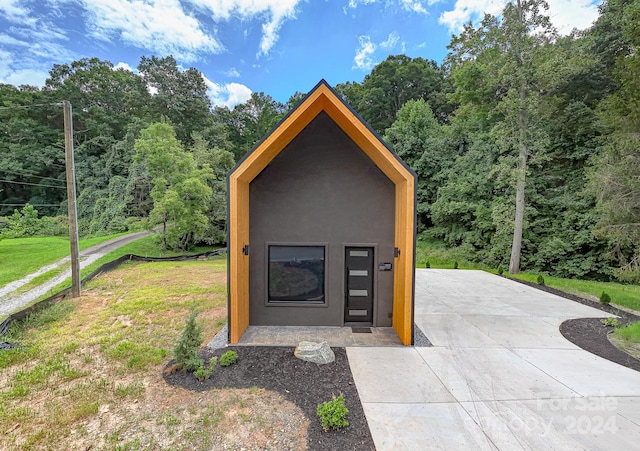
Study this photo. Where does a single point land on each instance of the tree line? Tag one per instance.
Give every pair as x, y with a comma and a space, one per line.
525, 142
149, 149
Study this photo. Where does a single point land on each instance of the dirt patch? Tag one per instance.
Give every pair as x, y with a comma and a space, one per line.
302, 383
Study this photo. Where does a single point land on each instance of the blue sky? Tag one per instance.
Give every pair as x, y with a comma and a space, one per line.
243, 46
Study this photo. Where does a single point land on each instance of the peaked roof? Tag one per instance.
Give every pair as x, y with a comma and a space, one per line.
322, 98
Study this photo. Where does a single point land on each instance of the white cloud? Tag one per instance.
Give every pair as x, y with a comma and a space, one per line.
10, 40
50, 51
391, 41
229, 95
29, 45
364, 54
12, 76
565, 14
233, 73
5, 57
159, 25
238, 93
569, 14
466, 10
355, 3
47, 32
364, 58
32, 77
273, 12
125, 66
13, 12
416, 6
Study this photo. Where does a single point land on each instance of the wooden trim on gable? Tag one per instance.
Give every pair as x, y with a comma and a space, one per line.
322, 98
238, 261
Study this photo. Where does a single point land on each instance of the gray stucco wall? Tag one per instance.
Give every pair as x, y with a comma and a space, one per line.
321, 189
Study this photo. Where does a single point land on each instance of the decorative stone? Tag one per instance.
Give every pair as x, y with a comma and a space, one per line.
315, 352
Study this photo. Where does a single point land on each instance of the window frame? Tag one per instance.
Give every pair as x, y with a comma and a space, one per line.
296, 303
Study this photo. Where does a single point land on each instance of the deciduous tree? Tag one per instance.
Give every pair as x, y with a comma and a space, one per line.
181, 195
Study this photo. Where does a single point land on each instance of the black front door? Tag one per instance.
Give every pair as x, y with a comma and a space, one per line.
358, 284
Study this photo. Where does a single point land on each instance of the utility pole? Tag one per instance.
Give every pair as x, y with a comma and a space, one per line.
71, 199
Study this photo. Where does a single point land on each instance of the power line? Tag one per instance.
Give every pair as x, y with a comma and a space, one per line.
33, 205
30, 174
26, 107
32, 184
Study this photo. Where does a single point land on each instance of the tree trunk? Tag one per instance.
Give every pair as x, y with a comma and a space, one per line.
516, 246
164, 233
521, 172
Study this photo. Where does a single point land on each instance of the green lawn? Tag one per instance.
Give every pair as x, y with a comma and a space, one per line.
621, 294
22, 256
79, 356
630, 333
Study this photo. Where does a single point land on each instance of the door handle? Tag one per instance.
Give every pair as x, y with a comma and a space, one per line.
346, 284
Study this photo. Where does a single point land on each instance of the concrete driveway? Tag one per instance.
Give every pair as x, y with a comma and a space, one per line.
499, 375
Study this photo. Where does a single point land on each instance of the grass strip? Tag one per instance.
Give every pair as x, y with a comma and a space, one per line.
630, 333
22, 256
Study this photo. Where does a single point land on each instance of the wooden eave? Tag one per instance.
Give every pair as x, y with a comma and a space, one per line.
321, 98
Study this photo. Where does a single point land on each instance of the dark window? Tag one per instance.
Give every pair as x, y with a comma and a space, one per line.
296, 274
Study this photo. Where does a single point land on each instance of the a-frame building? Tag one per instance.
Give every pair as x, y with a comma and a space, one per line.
321, 225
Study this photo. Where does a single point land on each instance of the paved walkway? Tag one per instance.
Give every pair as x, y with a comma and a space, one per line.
500, 374
334, 336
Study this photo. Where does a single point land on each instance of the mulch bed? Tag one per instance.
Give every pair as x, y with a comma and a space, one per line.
589, 333
303, 383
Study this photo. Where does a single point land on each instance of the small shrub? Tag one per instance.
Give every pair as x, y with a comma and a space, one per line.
199, 373
427, 264
186, 349
333, 413
605, 298
455, 264
540, 280
202, 372
23, 223
610, 322
228, 358
193, 364
500, 270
